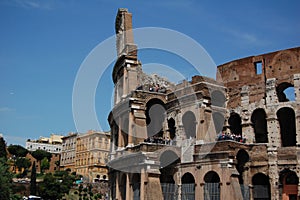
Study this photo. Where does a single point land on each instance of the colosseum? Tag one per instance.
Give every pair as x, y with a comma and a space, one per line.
233, 137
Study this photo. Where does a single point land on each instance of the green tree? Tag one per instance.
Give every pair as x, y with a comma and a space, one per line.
44, 164
3, 153
23, 163
5, 180
17, 150
54, 187
33, 180
50, 188
40, 154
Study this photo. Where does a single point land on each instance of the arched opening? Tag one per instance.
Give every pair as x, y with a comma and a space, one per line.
122, 186
259, 122
155, 116
235, 125
218, 98
172, 128
289, 181
188, 186
211, 186
189, 124
286, 118
285, 92
261, 187
168, 161
136, 184
242, 158
218, 121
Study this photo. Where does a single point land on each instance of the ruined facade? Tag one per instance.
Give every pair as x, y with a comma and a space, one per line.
230, 138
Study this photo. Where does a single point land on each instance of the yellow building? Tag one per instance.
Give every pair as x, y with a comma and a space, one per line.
68, 153
92, 150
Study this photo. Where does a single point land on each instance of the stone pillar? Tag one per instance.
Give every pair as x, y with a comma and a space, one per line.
273, 172
271, 95
297, 87
153, 189
140, 126
209, 131
118, 193
130, 129
128, 187
120, 136
274, 137
143, 184
125, 83
297, 111
132, 77
201, 128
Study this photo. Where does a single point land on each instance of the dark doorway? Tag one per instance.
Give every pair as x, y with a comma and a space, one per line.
259, 122
286, 118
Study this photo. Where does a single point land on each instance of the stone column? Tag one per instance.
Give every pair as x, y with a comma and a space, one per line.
273, 174
273, 133
143, 183
130, 129
128, 187
120, 136
118, 193
297, 111
271, 95
125, 83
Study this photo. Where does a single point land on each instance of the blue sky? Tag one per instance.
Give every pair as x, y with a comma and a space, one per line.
43, 43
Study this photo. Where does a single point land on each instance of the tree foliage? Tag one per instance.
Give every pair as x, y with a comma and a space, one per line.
55, 186
44, 164
3, 153
5, 180
23, 163
40, 154
17, 150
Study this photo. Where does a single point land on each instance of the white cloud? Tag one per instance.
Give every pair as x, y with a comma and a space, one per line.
30, 4
6, 109
245, 38
14, 140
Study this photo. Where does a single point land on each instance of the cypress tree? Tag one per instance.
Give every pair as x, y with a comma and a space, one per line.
3, 153
33, 180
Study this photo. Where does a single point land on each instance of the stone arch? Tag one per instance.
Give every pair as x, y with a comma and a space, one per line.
189, 124
211, 186
188, 186
218, 98
168, 157
289, 181
235, 123
259, 122
282, 94
155, 116
168, 160
261, 187
242, 158
159, 97
286, 119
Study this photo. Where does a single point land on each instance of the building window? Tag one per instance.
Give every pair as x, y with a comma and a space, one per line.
258, 67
